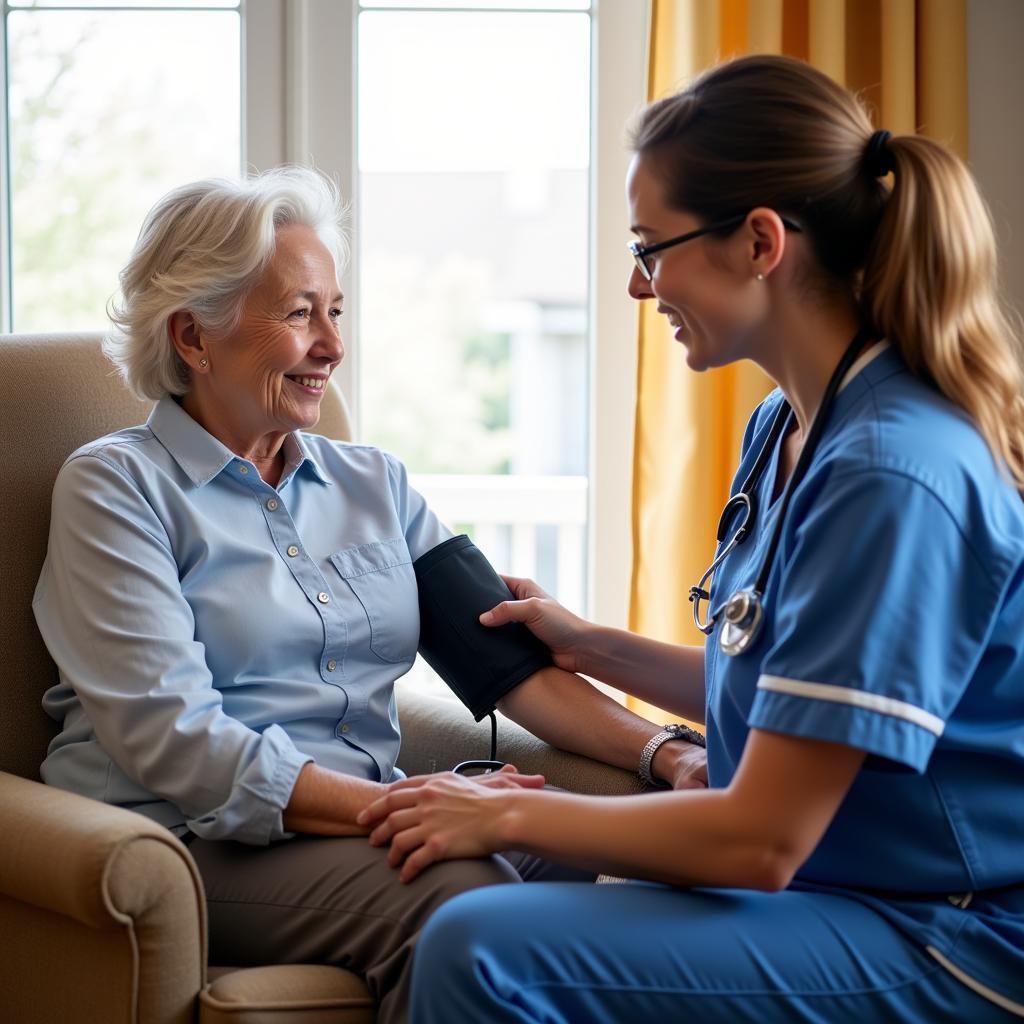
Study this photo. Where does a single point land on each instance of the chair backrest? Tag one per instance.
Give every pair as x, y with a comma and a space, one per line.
57, 391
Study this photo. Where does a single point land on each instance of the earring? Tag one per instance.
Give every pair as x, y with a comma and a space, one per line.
204, 362
759, 276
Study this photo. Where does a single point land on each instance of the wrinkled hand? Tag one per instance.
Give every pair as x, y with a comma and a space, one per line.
555, 626
441, 817
506, 777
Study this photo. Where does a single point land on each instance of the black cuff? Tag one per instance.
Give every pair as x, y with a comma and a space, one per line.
481, 664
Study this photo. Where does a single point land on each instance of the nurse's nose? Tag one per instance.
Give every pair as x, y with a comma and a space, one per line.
638, 286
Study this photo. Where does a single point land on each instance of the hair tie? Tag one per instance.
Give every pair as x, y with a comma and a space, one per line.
878, 159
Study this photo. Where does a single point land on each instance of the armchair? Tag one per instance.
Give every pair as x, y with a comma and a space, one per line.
102, 914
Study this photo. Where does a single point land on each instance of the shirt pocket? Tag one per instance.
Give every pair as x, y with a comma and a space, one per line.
382, 578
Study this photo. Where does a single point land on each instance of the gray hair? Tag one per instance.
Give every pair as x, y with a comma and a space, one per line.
202, 248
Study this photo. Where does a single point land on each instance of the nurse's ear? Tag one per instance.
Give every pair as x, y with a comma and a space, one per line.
764, 241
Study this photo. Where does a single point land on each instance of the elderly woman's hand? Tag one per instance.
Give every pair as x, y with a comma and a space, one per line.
506, 777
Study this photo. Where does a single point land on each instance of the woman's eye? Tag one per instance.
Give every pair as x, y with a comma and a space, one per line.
300, 313
336, 313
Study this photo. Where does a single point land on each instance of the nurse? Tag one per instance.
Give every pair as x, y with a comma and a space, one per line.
859, 853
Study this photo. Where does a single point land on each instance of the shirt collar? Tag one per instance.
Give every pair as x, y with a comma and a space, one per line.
863, 360
299, 451
202, 457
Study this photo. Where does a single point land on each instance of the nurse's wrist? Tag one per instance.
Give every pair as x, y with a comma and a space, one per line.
680, 765
595, 647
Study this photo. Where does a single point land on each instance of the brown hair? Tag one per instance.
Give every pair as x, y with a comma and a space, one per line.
920, 256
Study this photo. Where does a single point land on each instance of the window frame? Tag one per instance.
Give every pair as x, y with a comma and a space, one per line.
286, 119
299, 106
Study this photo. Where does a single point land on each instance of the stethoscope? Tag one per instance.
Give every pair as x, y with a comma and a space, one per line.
742, 615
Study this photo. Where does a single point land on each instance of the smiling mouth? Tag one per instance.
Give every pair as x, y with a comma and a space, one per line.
313, 383
673, 318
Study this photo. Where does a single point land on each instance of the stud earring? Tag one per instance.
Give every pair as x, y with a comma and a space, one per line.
204, 362
759, 276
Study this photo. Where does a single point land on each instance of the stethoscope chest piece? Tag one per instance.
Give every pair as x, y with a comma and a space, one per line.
742, 617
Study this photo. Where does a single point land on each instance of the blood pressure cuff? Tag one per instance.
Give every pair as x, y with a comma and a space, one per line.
481, 664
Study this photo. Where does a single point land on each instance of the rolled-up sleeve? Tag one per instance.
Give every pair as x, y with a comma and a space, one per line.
111, 610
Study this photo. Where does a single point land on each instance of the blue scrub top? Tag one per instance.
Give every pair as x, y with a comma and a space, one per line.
894, 623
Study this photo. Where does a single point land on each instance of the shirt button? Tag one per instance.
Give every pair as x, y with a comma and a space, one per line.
345, 728
243, 469
272, 505
323, 597
292, 550
331, 665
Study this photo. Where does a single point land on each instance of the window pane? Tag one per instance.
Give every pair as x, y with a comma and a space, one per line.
499, 5
473, 147
124, 3
108, 110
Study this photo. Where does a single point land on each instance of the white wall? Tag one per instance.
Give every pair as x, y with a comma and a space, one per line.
995, 37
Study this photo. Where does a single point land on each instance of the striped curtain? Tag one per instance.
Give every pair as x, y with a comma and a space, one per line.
908, 59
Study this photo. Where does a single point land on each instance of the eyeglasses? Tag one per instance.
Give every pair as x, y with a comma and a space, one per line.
641, 252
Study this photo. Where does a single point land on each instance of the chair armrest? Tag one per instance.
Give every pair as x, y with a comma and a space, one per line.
438, 732
98, 905
75, 856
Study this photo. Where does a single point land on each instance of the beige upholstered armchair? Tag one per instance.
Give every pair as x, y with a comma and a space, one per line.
102, 916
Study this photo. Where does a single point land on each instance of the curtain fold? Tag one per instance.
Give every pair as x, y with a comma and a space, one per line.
908, 59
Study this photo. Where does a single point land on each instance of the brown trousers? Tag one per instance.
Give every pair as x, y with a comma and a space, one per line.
315, 899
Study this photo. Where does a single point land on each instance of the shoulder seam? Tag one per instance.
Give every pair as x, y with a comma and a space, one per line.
846, 474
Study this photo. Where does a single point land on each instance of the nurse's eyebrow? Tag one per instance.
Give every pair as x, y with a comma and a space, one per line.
638, 229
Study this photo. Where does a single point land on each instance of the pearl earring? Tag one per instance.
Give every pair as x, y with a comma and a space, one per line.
759, 276
204, 362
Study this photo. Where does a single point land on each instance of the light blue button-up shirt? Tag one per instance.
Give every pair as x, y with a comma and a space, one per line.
214, 633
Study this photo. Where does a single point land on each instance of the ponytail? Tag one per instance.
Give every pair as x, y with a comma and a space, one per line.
929, 285
773, 131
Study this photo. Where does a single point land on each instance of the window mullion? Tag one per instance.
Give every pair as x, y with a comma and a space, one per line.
299, 108
619, 78
5, 183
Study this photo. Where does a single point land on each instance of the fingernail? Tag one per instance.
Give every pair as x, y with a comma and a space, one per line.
486, 617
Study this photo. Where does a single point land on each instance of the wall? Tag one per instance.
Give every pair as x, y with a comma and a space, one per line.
995, 36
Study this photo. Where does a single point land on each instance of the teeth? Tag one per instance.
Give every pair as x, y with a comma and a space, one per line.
311, 382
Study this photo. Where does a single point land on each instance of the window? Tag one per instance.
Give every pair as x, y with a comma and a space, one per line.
473, 149
108, 106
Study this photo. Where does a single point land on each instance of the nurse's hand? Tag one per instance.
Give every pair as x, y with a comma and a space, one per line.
681, 765
446, 816
556, 627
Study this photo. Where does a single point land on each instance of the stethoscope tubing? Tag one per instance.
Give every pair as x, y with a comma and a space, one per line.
803, 464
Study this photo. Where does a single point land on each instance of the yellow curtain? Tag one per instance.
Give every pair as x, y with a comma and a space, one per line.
908, 59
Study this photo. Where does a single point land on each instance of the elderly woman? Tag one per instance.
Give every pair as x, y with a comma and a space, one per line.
230, 600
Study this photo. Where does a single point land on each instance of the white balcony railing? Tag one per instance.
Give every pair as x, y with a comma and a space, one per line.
504, 515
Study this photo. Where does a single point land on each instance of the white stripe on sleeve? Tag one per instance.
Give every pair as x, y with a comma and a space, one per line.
858, 698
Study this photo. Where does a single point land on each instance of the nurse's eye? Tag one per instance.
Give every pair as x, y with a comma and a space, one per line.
336, 313
299, 314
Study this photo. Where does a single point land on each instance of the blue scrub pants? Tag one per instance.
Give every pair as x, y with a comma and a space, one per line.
605, 954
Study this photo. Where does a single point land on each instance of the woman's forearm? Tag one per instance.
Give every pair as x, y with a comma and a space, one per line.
570, 713
754, 834
669, 675
325, 802
679, 838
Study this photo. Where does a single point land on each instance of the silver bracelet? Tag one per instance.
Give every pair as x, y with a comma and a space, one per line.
669, 732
